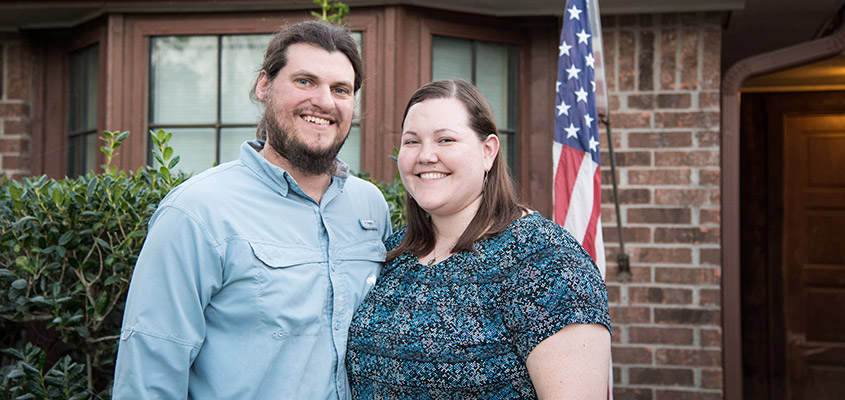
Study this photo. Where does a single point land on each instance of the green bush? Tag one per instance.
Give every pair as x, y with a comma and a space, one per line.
68, 249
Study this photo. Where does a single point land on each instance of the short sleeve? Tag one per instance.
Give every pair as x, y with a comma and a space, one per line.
550, 288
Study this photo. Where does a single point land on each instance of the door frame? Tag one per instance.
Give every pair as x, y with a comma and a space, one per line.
730, 200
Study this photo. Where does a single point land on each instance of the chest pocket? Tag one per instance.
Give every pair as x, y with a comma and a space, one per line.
359, 265
292, 288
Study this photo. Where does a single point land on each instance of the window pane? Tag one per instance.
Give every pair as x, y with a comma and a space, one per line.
241, 62
451, 58
183, 80
492, 79
82, 154
231, 140
350, 153
83, 70
195, 148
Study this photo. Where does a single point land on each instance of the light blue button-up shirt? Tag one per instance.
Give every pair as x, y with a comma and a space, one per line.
245, 286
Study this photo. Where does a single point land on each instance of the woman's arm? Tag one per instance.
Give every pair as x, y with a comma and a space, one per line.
574, 363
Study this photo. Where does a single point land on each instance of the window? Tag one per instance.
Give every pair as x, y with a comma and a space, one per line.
199, 90
83, 73
493, 68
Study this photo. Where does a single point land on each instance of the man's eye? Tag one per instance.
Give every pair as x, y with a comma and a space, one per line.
342, 91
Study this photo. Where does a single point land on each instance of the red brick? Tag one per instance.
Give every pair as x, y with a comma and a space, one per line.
645, 61
687, 197
659, 177
675, 275
659, 215
710, 216
699, 158
631, 235
613, 100
638, 274
631, 120
2, 74
708, 139
710, 297
710, 67
632, 355
711, 338
686, 235
613, 294
687, 119
627, 196
687, 316
615, 334
630, 315
711, 256
624, 393
630, 158
16, 127
609, 41
19, 68
11, 162
627, 65
689, 59
641, 101
661, 255
651, 140
674, 100
14, 145
668, 58
709, 177
709, 100
659, 295
659, 335
712, 378
608, 215
660, 376
689, 357
14, 110
606, 176
687, 395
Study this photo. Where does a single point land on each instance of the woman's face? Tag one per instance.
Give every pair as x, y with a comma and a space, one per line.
441, 159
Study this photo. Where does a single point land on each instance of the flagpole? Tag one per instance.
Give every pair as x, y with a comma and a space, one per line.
623, 271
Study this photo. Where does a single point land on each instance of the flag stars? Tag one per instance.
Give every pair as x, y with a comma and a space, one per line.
572, 72
588, 120
563, 108
582, 36
564, 49
574, 13
591, 61
593, 83
594, 144
572, 131
582, 95
558, 83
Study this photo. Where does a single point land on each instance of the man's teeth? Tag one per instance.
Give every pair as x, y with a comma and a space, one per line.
432, 175
316, 120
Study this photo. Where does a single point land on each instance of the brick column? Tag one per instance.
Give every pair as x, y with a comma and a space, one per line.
663, 78
16, 68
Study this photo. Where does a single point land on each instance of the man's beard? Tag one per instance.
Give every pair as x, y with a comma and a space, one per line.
292, 149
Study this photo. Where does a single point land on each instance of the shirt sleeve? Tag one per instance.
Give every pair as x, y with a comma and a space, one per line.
178, 270
557, 285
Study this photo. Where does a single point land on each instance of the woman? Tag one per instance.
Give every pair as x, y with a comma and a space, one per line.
479, 298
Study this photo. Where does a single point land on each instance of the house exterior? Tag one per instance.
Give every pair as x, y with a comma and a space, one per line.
704, 315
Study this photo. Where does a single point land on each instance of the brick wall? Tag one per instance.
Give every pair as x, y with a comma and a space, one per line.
16, 68
663, 79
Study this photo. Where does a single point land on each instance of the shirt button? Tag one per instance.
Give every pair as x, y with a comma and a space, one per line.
332, 265
337, 326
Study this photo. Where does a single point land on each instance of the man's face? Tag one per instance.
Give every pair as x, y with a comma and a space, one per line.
308, 107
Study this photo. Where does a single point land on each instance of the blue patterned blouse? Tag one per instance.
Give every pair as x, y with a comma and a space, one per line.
463, 328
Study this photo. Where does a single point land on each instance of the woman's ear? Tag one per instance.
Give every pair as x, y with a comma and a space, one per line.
490, 149
262, 86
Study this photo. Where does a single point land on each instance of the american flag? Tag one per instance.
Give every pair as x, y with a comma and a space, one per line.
577, 191
580, 77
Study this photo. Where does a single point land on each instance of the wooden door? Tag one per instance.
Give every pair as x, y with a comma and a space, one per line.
814, 255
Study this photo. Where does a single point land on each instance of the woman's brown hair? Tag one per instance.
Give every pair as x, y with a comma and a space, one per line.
499, 205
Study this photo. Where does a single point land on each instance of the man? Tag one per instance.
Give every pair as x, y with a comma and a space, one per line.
251, 270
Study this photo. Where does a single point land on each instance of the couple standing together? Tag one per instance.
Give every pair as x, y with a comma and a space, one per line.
277, 275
